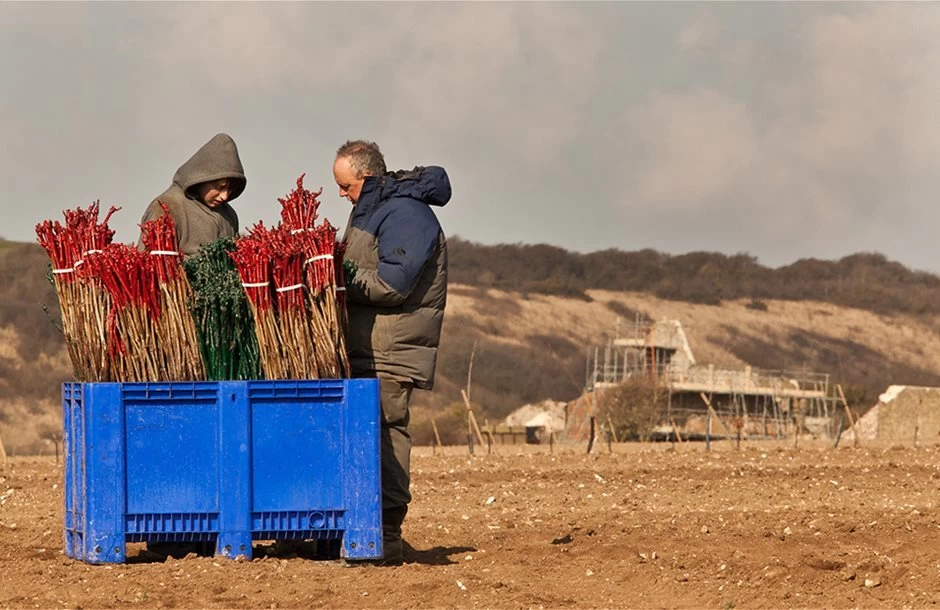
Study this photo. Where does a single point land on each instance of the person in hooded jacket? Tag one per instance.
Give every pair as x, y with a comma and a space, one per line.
199, 199
395, 301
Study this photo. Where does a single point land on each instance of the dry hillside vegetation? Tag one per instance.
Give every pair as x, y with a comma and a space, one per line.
530, 315
529, 348
797, 335
533, 347
551, 335
865, 280
30, 419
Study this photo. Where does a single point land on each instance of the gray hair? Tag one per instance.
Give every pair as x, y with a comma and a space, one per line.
364, 156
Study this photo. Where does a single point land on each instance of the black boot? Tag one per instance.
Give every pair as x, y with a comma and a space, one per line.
393, 546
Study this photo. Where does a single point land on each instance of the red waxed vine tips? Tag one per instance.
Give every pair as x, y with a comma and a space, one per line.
83, 301
299, 208
124, 311
290, 276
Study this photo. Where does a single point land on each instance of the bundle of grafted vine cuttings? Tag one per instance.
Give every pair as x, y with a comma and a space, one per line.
293, 277
84, 303
224, 323
176, 337
127, 308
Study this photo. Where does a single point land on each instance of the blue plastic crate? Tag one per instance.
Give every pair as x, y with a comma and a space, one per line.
225, 462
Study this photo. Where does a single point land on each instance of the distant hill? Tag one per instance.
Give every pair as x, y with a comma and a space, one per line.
33, 360
529, 313
864, 281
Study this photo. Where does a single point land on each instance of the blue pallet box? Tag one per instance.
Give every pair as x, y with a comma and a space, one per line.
225, 462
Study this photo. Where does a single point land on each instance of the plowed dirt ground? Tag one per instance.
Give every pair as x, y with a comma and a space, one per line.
648, 526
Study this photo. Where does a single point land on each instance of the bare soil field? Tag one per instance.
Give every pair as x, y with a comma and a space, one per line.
647, 526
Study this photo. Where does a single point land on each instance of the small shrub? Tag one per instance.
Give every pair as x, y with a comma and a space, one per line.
633, 407
757, 305
622, 310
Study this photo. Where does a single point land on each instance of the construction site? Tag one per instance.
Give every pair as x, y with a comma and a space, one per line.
700, 401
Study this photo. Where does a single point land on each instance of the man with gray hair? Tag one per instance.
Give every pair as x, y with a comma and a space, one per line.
395, 300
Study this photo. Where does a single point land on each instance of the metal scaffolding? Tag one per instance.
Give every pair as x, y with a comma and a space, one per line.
759, 403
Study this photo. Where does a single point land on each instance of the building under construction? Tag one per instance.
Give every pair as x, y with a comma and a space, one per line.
754, 402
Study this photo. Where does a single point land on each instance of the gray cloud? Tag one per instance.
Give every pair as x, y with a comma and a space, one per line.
826, 160
787, 130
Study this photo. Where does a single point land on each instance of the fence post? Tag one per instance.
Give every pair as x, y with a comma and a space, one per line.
437, 437
839, 433
591, 435
708, 430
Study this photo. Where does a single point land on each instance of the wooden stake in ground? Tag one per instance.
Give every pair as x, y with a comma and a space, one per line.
473, 352
714, 415
613, 430
437, 436
590, 444
3, 453
675, 429
473, 427
797, 428
848, 412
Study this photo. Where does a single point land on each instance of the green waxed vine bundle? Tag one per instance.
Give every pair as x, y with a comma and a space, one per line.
224, 324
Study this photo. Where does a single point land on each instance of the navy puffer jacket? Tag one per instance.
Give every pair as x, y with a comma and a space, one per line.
396, 298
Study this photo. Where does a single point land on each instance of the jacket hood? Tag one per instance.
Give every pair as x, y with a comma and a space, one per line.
428, 184
218, 158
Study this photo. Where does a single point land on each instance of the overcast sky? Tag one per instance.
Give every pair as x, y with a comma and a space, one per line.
785, 130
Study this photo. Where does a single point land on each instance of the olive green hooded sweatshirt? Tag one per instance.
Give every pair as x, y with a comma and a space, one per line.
196, 223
